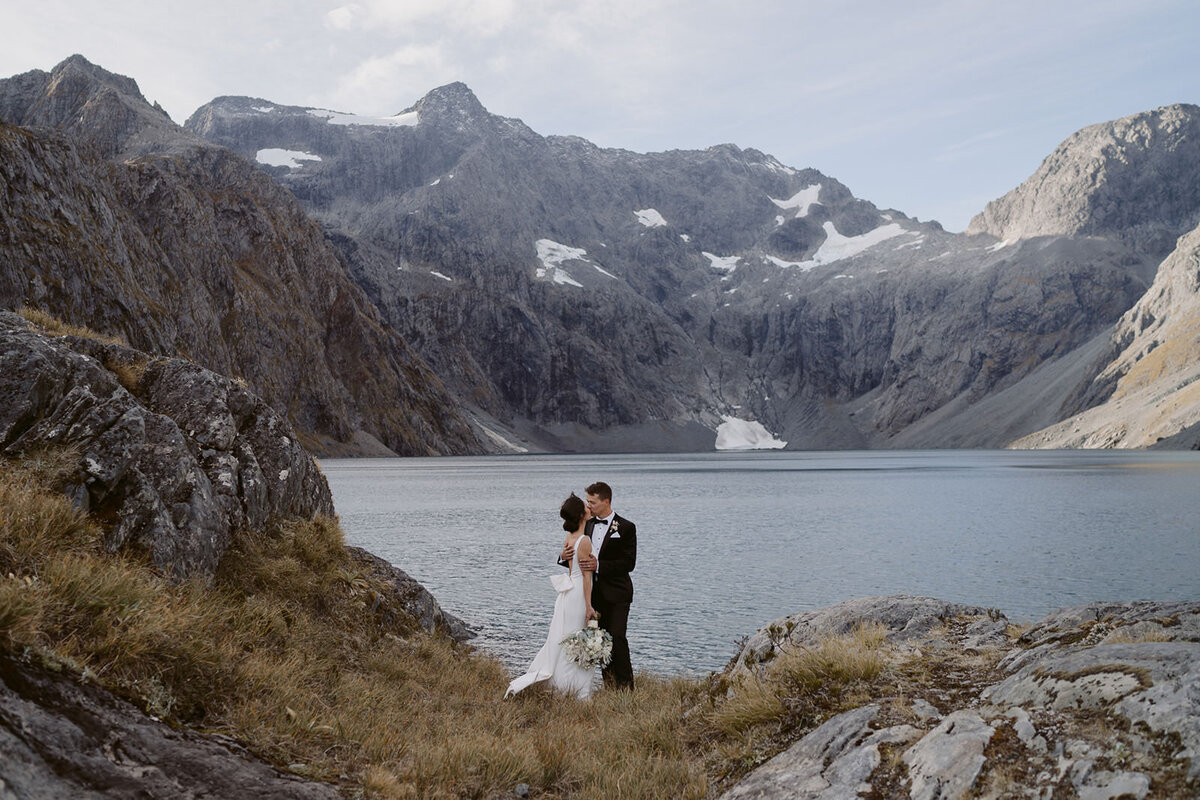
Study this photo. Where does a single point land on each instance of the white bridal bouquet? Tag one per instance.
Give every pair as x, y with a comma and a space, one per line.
589, 647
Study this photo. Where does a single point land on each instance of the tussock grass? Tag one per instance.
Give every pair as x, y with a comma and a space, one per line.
52, 326
802, 684
1138, 634
129, 375
293, 650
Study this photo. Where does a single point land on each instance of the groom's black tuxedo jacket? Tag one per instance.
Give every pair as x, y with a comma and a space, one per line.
619, 555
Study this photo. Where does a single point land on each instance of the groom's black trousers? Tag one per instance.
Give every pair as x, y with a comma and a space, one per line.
614, 618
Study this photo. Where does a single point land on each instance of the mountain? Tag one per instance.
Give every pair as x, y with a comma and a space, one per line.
118, 219
1145, 391
1136, 179
590, 298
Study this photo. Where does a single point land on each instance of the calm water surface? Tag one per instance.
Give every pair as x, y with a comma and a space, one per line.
728, 542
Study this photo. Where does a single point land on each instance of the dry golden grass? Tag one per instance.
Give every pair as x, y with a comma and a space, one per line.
286, 650
129, 375
1138, 634
52, 326
802, 685
751, 702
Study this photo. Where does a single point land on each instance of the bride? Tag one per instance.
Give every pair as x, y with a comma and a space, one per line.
572, 609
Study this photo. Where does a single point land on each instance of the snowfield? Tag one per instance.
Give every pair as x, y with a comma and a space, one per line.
837, 247
742, 434
802, 200
723, 263
278, 157
405, 120
650, 218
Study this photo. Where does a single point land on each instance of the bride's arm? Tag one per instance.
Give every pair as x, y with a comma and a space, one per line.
585, 550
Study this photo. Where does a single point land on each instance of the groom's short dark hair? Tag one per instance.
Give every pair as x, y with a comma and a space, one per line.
600, 489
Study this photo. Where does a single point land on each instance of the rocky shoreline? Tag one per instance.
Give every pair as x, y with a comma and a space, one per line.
1099, 701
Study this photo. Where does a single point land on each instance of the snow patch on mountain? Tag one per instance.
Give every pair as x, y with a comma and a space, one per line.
278, 157
837, 247
552, 254
650, 218
742, 434
802, 200
723, 263
403, 120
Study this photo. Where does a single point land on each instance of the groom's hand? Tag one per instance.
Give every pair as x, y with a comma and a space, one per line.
587, 564
567, 554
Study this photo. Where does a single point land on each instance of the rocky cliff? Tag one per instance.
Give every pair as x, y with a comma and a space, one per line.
585, 297
1144, 390
1097, 701
118, 219
1135, 178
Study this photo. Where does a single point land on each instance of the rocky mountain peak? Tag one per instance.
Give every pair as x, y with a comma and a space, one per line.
454, 103
105, 109
76, 68
1136, 178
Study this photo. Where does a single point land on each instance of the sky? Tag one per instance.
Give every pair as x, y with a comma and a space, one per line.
930, 108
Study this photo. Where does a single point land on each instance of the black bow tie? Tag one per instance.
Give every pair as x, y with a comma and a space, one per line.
599, 521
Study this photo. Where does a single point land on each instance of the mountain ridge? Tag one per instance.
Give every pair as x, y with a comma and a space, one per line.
187, 249
683, 230
570, 296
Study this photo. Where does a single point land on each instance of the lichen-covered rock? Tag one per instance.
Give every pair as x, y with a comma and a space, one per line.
412, 596
834, 761
945, 763
1099, 701
180, 463
65, 740
905, 618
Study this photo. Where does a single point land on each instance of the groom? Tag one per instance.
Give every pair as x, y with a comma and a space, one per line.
614, 552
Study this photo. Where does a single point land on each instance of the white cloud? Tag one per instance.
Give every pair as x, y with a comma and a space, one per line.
409, 71
342, 19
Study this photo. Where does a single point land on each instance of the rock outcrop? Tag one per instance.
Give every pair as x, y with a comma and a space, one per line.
1099, 701
174, 458
410, 595
64, 739
118, 219
1135, 178
179, 458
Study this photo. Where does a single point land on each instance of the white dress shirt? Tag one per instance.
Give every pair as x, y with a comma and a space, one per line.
600, 528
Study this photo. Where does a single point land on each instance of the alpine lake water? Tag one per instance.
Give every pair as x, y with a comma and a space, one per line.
729, 541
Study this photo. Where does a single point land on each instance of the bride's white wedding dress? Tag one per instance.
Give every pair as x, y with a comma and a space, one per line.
552, 663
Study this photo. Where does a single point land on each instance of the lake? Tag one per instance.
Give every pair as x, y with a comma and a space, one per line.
728, 542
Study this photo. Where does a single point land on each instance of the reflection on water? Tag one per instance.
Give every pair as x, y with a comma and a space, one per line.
728, 542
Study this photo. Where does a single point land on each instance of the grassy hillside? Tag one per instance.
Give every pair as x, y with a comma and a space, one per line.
292, 650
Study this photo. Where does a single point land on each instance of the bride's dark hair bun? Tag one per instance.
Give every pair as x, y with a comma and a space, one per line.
572, 512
